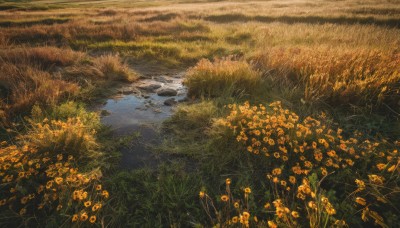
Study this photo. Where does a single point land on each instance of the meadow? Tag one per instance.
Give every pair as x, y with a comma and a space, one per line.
292, 116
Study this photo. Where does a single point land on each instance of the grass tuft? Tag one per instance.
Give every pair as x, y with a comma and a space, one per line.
221, 77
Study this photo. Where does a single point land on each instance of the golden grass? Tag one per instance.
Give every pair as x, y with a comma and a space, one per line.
26, 86
341, 53
41, 57
356, 76
113, 69
223, 76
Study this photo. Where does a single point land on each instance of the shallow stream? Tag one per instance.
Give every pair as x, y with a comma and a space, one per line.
138, 108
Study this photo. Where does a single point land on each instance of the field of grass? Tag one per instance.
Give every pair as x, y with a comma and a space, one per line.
293, 118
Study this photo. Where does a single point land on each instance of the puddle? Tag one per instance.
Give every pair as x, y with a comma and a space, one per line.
138, 108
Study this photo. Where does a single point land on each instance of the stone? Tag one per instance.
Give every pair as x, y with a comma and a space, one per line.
105, 113
149, 87
167, 92
127, 91
164, 80
170, 102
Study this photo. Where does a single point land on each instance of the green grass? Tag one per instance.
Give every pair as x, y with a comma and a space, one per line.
301, 53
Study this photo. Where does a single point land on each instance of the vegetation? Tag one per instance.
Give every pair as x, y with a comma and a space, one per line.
292, 118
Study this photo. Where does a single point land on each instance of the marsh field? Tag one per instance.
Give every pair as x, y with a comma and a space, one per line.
200, 113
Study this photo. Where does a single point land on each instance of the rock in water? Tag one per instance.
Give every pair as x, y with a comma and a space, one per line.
167, 92
149, 87
170, 102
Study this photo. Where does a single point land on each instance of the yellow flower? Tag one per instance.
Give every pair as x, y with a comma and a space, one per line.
21, 174
59, 180
392, 168
361, 201
247, 190
271, 142
295, 214
375, 179
49, 184
276, 155
381, 166
314, 145
271, 224
105, 194
292, 179
83, 195
22, 211
96, 207
246, 215
92, 219
323, 171
312, 205
267, 205
98, 187
24, 200
201, 194
235, 219
330, 210
84, 216
88, 203
228, 181
360, 184
224, 198
74, 218
276, 171
236, 205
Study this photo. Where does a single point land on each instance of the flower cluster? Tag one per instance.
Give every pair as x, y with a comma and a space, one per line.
72, 136
298, 155
235, 211
299, 146
34, 181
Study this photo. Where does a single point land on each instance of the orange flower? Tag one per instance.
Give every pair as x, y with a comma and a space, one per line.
92, 219
74, 218
361, 201
84, 216
88, 203
201, 194
224, 198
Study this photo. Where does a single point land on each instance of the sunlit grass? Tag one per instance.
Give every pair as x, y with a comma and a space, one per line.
285, 166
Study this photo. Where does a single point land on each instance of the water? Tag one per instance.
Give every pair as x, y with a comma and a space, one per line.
142, 112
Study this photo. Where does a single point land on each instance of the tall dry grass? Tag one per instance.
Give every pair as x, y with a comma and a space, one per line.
24, 86
221, 77
113, 68
42, 57
337, 76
